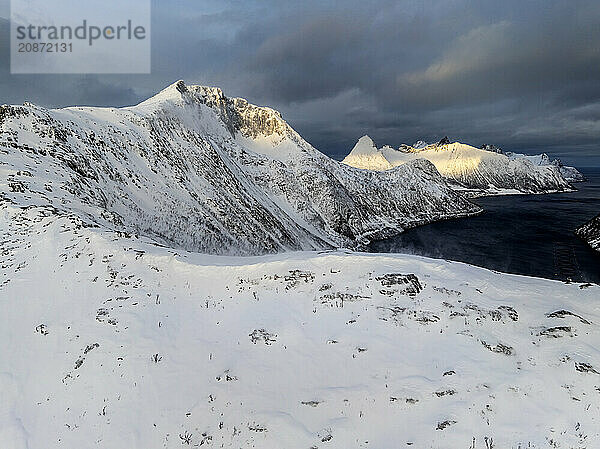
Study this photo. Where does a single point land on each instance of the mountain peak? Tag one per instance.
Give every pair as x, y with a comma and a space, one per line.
238, 114
364, 145
180, 86
366, 154
179, 90
366, 139
172, 93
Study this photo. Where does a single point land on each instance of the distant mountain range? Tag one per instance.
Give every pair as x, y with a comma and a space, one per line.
480, 171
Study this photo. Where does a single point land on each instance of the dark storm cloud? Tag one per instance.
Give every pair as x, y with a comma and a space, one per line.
523, 75
327, 44
57, 90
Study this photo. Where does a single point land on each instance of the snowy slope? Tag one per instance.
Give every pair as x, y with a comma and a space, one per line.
590, 232
571, 174
485, 172
366, 155
109, 341
193, 168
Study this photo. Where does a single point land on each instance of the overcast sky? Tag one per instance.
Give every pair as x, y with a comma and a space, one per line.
524, 75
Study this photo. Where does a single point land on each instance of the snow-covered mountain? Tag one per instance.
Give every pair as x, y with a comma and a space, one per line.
571, 174
193, 168
109, 341
590, 232
113, 340
478, 170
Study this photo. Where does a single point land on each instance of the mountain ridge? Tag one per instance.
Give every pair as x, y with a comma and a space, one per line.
194, 168
479, 171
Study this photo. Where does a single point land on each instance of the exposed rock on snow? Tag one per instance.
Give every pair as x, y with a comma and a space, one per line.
590, 232
420, 144
482, 171
111, 341
492, 148
193, 168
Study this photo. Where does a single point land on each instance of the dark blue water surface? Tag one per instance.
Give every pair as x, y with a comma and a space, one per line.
522, 234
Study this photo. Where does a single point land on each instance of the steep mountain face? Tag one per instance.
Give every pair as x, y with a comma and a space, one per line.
195, 169
571, 174
478, 170
590, 232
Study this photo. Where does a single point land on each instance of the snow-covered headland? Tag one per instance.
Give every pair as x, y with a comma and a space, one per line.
571, 174
117, 332
480, 171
